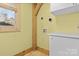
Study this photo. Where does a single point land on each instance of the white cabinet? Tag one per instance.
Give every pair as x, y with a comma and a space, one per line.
64, 8
62, 44
58, 6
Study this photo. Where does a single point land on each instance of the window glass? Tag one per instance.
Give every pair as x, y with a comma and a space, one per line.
7, 17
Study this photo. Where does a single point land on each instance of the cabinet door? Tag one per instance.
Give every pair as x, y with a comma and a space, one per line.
58, 6
62, 46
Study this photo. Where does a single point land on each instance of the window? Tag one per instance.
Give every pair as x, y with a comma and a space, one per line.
9, 17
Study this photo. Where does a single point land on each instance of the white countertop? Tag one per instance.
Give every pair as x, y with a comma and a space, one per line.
73, 35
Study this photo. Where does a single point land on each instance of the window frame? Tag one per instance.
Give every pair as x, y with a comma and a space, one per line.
16, 27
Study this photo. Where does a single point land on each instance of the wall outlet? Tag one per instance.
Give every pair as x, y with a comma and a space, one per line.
44, 30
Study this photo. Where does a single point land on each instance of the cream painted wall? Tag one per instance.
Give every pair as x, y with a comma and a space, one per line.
14, 42
42, 38
68, 23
